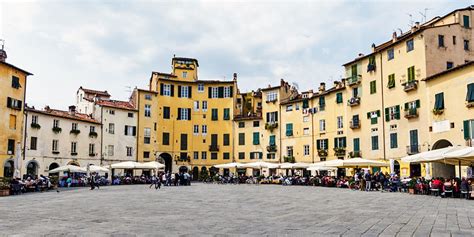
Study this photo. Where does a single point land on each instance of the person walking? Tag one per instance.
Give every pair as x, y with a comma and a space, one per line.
153, 181
92, 181
97, 181
368, 180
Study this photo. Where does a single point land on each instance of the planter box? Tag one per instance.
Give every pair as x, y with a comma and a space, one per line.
411, 191
4, 192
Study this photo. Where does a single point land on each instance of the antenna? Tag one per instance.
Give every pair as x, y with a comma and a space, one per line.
2, 41
128, 89
411, 19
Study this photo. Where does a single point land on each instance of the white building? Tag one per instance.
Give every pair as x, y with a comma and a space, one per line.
55, 138
119, 119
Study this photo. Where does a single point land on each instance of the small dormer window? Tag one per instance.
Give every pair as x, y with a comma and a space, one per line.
185, 74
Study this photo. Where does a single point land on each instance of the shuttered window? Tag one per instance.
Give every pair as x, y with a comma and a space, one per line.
373, 87
411, 73
470, 93
256, 138
289, 129
339, 97
439, 101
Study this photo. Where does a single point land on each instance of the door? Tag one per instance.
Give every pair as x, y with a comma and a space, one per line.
214, 140
184, 142
414, 141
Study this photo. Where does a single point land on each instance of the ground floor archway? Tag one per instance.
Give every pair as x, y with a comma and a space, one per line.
183, 169
32, 168
8, 169
441, 144
396, 167
168, 161
195, 173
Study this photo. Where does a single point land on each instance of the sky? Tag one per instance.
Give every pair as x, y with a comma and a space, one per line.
115, 45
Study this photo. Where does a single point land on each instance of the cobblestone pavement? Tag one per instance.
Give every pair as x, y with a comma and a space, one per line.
250, 210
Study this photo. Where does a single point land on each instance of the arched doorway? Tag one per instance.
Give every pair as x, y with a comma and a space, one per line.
195, 173
73, 163
440, 169
53, 166
168, 161
8, 169
396, 167
441, 144
32, 169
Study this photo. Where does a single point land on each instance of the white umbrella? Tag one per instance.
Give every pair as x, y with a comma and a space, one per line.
150, 165
318, 168
96, 168
125, 165
301, 165
465, 152
286, 166
228, 165
259, 165
359, 162
429, 156
329, 163
68, 168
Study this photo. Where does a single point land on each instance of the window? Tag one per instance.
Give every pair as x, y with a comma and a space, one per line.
441, 41
373, 87
271, 156
306, 150
272, 117
322, 144
339, 142
147, 110
15, 82
226, 139
339, 122
411, 73
74, 126
33, 143
306, 119
91, 149
449, 65
289, 129
92, 129
34, 119
241, 124
196, 105
130, 115
111, 112
147, 97
227, 93
272, 96
339, 97
12, 121
466, 45
391, 81
375, 143
73, 147
466, 22
130, 130
305, 131
226, 156
393, 140
373, 116
289, 108
215, 115
241, 139
454, 40
196, 129
468, 129
14, 103
55, 123
111, 128
183, 141
185, 74
110, 150
166, 112
305, 104
184, 114
146, 135
470, 93
241, 155
410, 45
256, 138
439, 101
213, 155
214, 92
166, 139
289, 151
204, 155
322, 125
200, 87
184, 91
146, 155
54, 147
392, 113
204, 106
356, 144
390, 54
256, 124
322, 103
129, 151
226, 114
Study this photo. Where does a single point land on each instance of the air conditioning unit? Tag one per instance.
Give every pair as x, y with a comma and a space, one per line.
9, 152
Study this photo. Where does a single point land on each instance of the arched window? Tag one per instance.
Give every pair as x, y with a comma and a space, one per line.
8, 169
32, 169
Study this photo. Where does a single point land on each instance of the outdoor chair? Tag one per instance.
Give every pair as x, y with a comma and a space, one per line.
434, 191
448, 190
464, 194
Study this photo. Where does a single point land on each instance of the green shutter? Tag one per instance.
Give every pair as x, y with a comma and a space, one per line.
466, 21
256, 138
272, 140
305, 104
467, 128
356, 144
289, 129
373, 87
411, 73
354, 70
417, 102
387, 115
373, 120
368, 115
226, 114
318, 144
339, 98
406, 106
397, 112
470, 93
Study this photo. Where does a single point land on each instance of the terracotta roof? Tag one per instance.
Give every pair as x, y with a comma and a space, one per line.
164, 74
196, 81
95, 92
65, 114
244, 118
17, 68
449, 71
116, 104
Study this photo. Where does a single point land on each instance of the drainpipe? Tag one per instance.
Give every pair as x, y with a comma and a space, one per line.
101, 134
25, 126
383, 110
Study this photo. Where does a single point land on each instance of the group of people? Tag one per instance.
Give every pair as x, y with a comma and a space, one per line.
30, 184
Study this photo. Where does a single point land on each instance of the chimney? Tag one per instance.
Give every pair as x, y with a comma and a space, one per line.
336, 83
361, 55
72, 110
373, 47
322, 87
46, 108
417, 25
3, 53
394, 37
235, 76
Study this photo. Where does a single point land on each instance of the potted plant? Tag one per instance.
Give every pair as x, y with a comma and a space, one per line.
75, 131
438, 111
57, 129
92, 134
35, 126
4, 187
411, 186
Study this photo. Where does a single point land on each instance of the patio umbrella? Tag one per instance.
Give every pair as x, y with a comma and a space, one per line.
319, 168
125, 165
259, 165
150, 165
96, 168
429, 156
329, 163
68, 168
228, 165
286, 166
359, 162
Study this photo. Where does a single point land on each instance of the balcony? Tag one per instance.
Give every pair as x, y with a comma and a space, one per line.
57, 130
438, 111
272, 148
353, 80
322, 152
35, 126
470, 104
411, 113
75, 131
92, 154
354, 124
92, 134
410, 85
289, 159
270, 126
354, 101
339, 151
413, 149
354, 154
213, 147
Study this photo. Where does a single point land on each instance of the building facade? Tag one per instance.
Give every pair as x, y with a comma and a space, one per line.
13, 81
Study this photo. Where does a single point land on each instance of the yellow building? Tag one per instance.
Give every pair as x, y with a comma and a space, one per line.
12, 94
192, 117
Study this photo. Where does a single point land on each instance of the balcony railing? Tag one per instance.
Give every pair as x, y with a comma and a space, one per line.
270, 126
339, 151
354, 124
353, 80
322, 152
272, 148
410, 85
354, 154
213, 147
411, 113
289, 159
413, 149
353, 101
